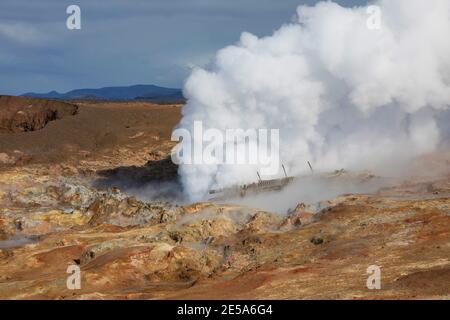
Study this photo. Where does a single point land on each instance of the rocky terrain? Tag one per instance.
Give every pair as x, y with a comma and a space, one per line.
71, 201
18, 114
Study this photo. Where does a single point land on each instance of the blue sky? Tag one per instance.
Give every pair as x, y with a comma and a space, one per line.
124, 42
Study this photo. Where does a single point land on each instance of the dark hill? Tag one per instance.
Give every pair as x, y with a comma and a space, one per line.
145, 92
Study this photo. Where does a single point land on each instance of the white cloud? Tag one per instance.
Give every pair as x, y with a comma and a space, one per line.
21, 33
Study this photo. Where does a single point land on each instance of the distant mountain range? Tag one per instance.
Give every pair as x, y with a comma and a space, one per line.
145, 92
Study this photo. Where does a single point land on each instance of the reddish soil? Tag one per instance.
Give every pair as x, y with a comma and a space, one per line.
59, 206
96, 130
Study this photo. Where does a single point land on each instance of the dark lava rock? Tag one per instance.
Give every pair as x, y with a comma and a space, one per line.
316, 241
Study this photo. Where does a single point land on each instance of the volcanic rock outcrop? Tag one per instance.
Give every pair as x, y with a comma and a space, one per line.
19, 114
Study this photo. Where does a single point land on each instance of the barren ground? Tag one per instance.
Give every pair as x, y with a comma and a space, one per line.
65, 199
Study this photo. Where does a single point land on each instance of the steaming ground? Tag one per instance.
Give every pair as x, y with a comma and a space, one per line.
313, 191
51, 217
342, 94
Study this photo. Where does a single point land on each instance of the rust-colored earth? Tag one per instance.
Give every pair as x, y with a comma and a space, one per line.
66, 199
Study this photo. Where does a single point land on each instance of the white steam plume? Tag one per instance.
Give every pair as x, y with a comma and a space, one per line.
342, 94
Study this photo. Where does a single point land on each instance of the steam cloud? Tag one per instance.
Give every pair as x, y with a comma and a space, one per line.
342, 94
